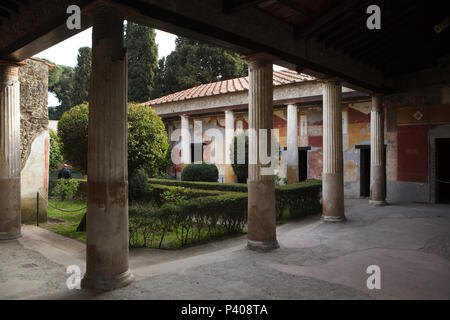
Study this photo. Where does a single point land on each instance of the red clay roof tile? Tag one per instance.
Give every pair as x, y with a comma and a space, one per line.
282, 77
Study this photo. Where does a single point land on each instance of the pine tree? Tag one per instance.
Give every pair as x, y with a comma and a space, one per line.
60, 83
142, 61
193, 63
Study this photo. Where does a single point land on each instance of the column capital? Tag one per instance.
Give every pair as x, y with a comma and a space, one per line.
377, 102
259, 58
9, 70
12, 63
330, 80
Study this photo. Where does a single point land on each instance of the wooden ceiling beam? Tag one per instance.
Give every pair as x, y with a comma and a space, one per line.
332, 14
296, 7
231, 6
391, 24
10, 6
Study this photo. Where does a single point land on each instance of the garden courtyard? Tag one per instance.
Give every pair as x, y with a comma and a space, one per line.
409, 242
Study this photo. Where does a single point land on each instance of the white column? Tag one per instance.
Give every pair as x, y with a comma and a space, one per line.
185, 140
107, 265
9, 150
333, 174
261, 188
292, 144
229, 135
377, 159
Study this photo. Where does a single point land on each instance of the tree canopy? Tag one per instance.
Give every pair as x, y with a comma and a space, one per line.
147, 138
142, 61
193, 63
82, 76
70, 85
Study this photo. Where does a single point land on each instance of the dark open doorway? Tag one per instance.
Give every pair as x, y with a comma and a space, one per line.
364, 173
303, 163
443, 170
197, 152
364, 169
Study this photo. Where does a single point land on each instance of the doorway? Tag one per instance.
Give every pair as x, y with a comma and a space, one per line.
197, 152
303, 163
364, 172
443, 170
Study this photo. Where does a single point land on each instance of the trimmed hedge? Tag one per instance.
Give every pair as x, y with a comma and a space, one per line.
200, 172
156, 191
230, 187
298, 200
187, 221
208, 213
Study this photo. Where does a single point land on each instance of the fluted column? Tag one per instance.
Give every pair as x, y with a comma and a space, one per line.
292, 144
229, 135
261, 186
107, 214
377, 159
9, 150
185, 140
333, 175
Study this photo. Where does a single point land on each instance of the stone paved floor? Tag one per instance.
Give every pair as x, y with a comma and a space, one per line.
316, 260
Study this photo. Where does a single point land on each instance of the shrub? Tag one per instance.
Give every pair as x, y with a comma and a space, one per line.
240, 170
174, 195
232, 187
147, 138
138, 185
56, 157
203, 214
161, 194
298, 199
65, 189
73, 130
191, 221
200, 172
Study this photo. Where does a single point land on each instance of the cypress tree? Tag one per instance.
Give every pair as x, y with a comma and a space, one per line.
142, 61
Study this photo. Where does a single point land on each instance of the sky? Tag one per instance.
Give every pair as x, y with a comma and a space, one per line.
66, 52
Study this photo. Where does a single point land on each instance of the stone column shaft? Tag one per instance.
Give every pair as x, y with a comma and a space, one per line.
10, 217
261, 188
377, 159
185, 140
229, 135
107, 265
333, 175
292, 144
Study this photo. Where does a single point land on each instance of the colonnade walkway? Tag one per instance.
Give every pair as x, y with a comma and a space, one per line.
410, 243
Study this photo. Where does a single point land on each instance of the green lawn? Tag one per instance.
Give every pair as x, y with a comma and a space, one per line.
66, 223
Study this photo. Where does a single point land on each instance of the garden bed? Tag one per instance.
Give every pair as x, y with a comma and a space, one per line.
176, 214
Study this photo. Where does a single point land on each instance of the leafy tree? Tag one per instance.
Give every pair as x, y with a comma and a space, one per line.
56, 157
60, 83
142, 61
193, 63
70, 85
73, 130
147, 138
81, 76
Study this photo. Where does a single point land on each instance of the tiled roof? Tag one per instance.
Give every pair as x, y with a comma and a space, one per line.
280, 78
